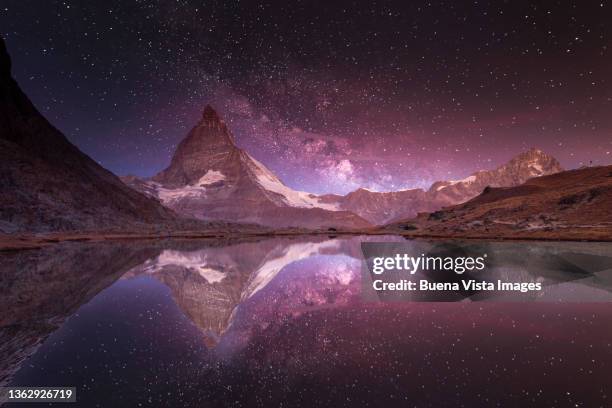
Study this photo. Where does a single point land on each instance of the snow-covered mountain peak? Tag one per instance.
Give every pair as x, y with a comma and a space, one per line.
210, 178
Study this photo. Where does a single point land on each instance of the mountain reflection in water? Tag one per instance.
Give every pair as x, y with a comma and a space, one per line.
282, 321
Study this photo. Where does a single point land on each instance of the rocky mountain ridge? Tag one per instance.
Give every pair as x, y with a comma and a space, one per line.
48, 184
572, 204
384, 207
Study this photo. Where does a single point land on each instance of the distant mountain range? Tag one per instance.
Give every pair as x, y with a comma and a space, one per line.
574, 204
385, 207
209, 177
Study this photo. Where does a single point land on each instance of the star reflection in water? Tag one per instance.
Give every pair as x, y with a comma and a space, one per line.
282, 321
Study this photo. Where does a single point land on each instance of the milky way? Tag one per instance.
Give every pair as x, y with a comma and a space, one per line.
330, 95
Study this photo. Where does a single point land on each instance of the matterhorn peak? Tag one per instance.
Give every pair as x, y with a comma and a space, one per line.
212, 120
208, 146
210, 115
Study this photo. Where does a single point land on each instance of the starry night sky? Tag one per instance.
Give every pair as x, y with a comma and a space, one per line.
330, 95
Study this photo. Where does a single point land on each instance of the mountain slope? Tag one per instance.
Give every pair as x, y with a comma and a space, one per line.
385, 207
573, 204
529, 164
47, 184
210, 178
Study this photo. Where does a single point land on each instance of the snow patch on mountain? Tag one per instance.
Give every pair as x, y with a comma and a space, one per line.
211, 275
537, 167
211, 176
468, 180
195, 260
440, 187
170, 195
290, 254
195, 190
270, 182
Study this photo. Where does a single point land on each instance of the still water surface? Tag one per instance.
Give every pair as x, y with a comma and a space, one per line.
281, 322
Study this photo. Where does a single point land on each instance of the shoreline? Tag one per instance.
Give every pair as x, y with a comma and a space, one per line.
16, 242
